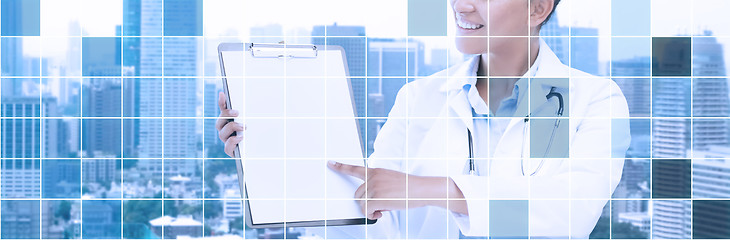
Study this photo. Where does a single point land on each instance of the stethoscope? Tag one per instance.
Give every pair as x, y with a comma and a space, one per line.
558, 113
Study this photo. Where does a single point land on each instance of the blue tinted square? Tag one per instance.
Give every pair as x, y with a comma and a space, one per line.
427, 18
70, 105
183, 17
142, 97
671, 56
102, 219
62, 178
102, 177
180, 97
102, 97
709, 98
181, 56
548, 141
508, 219
709, 135
101, 137
142, 138
637, 92
671, 178
670, 137
547, 96
142, 56
630, 17
707, 53
133, 18
20, 136
671, 97
60, 211
584, 54
101, 56
20, 17
13, 60
21, 219
711, 219
387, 57
26, 169
631, 219
181, 139
630, 56
137, 225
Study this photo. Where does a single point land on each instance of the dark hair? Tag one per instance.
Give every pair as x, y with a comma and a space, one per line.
551, 13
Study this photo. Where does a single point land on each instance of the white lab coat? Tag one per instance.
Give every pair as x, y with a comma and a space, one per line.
425, 135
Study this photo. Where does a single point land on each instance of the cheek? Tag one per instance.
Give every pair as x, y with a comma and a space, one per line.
508, 19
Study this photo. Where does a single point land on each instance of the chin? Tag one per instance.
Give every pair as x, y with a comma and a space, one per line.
471, 45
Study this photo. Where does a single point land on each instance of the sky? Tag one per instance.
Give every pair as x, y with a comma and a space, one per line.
382, 18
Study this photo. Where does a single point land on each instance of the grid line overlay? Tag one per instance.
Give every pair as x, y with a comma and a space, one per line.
72, 93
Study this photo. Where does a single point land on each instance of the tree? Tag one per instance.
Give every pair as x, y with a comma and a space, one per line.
64, 210
212, 209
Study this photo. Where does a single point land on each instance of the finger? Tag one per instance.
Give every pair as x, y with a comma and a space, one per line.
231, 144
371, 208
228, 129
222, 100
225, 117
360, 192
377, 215
352, 170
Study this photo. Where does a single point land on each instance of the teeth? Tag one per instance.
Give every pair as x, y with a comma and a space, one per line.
466, 25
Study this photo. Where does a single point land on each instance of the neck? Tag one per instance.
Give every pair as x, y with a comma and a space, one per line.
510, 61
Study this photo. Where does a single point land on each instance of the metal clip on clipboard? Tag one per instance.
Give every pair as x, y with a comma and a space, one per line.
282, 50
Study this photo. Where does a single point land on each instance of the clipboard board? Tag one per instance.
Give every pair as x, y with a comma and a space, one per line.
253, 76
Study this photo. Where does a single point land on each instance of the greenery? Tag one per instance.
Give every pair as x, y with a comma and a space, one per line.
137, 215
64, 210
212, 169
213, 209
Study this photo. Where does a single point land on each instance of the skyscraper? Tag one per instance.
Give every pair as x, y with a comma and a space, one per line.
672, 218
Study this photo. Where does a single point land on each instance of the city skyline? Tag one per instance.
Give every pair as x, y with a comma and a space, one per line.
144, 73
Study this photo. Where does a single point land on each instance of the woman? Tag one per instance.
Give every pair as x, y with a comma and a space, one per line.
534, 172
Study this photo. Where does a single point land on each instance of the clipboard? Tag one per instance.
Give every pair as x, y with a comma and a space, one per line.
262, 65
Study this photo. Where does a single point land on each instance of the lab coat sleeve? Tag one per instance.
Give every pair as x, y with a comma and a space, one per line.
390, 144
590, 182
475, 223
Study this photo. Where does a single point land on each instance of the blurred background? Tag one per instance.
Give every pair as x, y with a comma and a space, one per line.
108, 106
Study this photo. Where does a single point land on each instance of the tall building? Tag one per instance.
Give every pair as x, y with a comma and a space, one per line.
102, 97
21, 219
671, 138
210, 110
180, 20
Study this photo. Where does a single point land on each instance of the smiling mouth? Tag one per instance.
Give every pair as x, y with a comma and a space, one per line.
467, 25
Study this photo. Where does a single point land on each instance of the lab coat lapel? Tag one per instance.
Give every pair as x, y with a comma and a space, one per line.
548, 75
